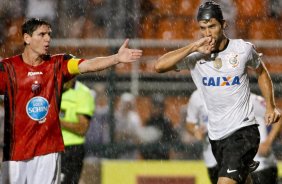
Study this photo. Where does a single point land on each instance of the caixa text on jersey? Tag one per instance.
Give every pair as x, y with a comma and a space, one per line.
221, 81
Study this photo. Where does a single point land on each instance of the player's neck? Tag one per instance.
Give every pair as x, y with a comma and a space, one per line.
223, 44
31, 58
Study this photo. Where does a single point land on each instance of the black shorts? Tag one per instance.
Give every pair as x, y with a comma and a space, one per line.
235, 153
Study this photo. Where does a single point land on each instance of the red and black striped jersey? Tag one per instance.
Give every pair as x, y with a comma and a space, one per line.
32, 101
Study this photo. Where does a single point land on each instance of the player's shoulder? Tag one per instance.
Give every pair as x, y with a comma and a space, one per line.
241, 45
241, 42
10, 59
64, 56
246, 44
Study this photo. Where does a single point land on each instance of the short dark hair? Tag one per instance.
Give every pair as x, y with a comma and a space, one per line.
208, 10
32, 24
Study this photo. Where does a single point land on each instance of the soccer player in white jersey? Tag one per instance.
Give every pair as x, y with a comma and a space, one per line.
197, 120
218, 66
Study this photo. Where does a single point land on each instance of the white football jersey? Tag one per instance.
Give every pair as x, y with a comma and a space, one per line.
224, 85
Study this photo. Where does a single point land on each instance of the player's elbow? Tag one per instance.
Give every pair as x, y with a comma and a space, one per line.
159, 68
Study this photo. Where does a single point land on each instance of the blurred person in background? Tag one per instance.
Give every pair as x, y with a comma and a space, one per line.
194, 146
46, 10
127, 125
72, 17
77, 108
159, 148
267, 172
12, 13
98, 134
197, 121
96, 24
34, 79
99, 128
276, 8
219, 68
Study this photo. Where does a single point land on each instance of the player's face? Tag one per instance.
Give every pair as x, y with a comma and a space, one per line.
40, 39
212, 28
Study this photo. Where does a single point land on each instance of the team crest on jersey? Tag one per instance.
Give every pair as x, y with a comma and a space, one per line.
37, 109
217, 63
233, 60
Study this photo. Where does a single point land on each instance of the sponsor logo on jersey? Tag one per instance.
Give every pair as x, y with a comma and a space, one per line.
30, 74
221, 81
37, 109
203, 62
231, 171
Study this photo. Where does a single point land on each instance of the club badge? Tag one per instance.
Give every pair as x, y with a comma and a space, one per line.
233, 60
36, 88
217, 63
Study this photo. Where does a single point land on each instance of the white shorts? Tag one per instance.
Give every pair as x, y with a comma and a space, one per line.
43, 169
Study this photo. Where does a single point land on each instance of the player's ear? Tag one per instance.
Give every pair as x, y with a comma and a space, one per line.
26, 38
224, 24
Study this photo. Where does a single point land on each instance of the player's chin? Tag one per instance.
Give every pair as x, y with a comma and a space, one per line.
44, 52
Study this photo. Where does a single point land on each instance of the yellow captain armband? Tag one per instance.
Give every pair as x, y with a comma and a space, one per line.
73, 66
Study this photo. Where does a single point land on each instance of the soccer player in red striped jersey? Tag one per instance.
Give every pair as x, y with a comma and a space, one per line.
32, 86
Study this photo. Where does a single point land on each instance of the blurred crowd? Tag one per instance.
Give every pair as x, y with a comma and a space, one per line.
92, 19
156, 136
119, 19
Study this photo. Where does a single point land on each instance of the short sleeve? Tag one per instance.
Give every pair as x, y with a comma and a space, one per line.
254, 58
69, 65
189, 61
182, 65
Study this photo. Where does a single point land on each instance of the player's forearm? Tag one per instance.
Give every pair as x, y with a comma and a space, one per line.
169, 60
77, 128
266, 87
274, 132
98, 64
190, 127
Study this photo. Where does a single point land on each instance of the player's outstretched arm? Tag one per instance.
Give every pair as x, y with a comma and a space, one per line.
169, 60
265, 83
124, 55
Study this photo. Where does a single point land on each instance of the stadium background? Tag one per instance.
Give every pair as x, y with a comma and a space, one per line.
155, 26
